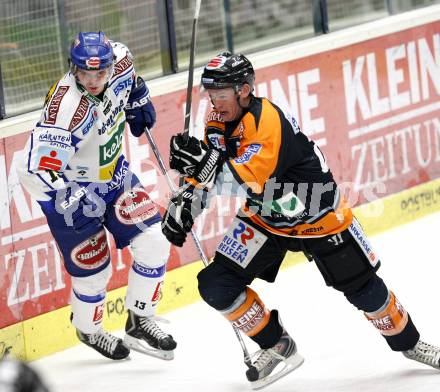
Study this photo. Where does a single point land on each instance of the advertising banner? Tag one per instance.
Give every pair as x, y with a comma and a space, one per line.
372, 108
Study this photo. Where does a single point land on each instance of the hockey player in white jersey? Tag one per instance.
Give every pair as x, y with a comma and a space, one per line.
74, 167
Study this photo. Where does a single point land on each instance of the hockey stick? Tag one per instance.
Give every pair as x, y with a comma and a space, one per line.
204, 258
173, 189
247, 358
192, 53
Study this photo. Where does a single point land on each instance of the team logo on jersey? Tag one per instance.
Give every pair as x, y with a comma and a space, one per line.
241, 243
216, 62
54, 105
135, 206
93, 62
91, 253
250, 151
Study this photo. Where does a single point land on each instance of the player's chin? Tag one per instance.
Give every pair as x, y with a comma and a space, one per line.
95, 90
227, 116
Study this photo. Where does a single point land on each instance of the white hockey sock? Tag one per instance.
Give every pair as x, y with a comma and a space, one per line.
150, 251
87, 300
88, 312
144, 289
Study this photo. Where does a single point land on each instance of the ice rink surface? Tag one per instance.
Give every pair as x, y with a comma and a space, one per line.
343, 352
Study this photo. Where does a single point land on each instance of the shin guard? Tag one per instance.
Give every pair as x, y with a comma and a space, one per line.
87, 311
394, 323
144, 288
248, 313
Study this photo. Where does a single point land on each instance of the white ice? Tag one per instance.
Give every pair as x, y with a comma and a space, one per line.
343, 352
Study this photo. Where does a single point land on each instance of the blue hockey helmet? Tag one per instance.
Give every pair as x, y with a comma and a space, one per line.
91, 51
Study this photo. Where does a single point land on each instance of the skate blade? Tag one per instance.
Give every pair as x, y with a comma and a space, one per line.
290, 364
143, 348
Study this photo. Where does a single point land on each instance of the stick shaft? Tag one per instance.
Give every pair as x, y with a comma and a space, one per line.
204, 258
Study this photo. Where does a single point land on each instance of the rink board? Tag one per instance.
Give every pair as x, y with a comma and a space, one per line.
52, 332
369, 96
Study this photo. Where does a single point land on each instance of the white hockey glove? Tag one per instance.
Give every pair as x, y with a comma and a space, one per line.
194, 159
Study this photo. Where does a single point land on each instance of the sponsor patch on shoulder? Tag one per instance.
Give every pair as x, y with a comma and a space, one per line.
241, 243
50, 158
251, 150
54, 104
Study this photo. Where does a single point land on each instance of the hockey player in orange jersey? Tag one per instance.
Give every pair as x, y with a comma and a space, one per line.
253, 148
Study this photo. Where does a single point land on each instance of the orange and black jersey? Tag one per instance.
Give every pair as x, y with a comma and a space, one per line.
290, 190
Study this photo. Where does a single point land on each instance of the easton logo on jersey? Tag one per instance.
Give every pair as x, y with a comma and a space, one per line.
241, 243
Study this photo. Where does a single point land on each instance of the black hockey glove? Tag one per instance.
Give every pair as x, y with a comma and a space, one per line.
194, 159
82, 209
179, 219
139, 111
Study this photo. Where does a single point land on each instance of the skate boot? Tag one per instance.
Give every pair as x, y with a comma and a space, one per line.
106, 344
284, 353
145, 336
424, 353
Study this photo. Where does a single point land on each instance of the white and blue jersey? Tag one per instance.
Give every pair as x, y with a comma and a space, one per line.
78, 142
79, 137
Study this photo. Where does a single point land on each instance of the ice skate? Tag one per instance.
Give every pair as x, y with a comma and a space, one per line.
106, 344
274, 363
145, 336
424, 353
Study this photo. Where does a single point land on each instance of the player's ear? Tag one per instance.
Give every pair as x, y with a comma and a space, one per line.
245, 90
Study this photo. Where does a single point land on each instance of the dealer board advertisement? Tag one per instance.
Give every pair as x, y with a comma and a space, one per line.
372, 107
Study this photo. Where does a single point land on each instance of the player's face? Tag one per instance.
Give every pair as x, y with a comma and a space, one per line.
93, 81
226, 102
